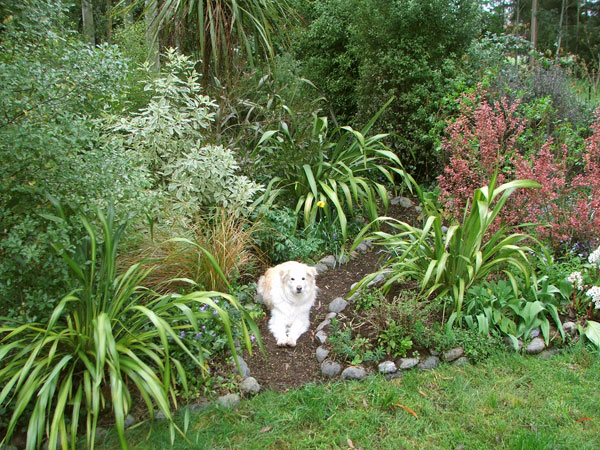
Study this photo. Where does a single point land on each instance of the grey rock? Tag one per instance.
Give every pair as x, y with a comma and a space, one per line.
330, 368
535, 332
197, 407
549, 353
338, 305
402, 201
536, 346
321, 336
159, 415
433, 352
407, 363
353, 255
129, 421
453, 354
353, 285
387, 367
430, 363
362, 248
444, 229
354, 296
569, 327
323, 324
321, 353
393, 375
343, 259
321, 268
354, 373
228, 401
258, 298
243, 366
509, 343
418, 209
368, 243
329, 261
376, 281
331, 315
249, 386
462, 361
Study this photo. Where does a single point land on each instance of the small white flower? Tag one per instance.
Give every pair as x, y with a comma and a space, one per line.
594, 293
594, 258
576, 280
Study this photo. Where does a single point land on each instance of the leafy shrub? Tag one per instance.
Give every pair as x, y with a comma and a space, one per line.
489, 137
279, 237
393, 339
52, 89
361, 53
106, 338
368, 299
449, 261
168, 135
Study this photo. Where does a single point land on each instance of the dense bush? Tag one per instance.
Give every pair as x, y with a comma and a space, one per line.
487, 137
361, 53
52, 87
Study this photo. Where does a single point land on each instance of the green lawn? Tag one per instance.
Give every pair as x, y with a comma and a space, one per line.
507, 402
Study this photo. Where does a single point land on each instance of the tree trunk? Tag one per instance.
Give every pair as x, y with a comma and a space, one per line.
109, 21
87, 15
560, 28
152, 42
534, 11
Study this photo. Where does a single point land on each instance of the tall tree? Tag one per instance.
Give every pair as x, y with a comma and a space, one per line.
87, 14
563, 10
152, 42
534, 19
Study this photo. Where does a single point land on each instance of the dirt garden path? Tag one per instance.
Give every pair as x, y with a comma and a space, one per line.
283, 367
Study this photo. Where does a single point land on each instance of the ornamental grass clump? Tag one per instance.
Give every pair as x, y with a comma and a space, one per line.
107, 344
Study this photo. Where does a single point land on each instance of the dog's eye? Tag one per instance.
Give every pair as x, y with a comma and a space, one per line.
303, 278
292, 278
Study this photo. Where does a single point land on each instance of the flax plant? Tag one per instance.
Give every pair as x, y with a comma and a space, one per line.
107, 344
448, 261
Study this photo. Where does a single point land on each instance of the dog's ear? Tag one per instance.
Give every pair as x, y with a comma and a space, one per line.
312, 271
283, 273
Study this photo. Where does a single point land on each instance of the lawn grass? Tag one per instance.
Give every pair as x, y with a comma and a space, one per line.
506, 402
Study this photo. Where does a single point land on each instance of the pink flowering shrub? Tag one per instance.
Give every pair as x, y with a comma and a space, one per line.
488, 137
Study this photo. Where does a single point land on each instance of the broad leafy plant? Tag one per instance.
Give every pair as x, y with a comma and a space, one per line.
103, 341
494, 306
347, 170
448, 261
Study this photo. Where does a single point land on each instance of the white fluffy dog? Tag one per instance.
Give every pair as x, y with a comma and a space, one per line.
289, 291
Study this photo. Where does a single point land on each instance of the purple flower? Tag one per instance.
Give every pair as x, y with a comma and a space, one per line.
204, 327
252, 338
334, 235
197, 336
182, 334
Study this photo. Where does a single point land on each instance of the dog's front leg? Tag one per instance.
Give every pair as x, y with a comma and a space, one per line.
299, 326
277, 326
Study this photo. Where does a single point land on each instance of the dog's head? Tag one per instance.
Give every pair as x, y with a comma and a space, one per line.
298, 278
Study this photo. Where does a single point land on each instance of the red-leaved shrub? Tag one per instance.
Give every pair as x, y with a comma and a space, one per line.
488, 137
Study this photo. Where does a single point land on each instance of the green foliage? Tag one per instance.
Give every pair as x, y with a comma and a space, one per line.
106, 338
361, 53
449, 261
345, 170
281, 239
394, 340
354, 350
168, 135
52, 89
368, 299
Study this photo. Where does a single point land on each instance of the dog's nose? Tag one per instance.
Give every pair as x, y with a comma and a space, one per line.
298, 289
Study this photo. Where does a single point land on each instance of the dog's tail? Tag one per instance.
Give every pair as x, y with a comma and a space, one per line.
260, 291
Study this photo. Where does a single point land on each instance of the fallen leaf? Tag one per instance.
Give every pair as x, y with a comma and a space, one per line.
406, 408
365, 404
265, 429
583, 419
350, 444
422, 393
